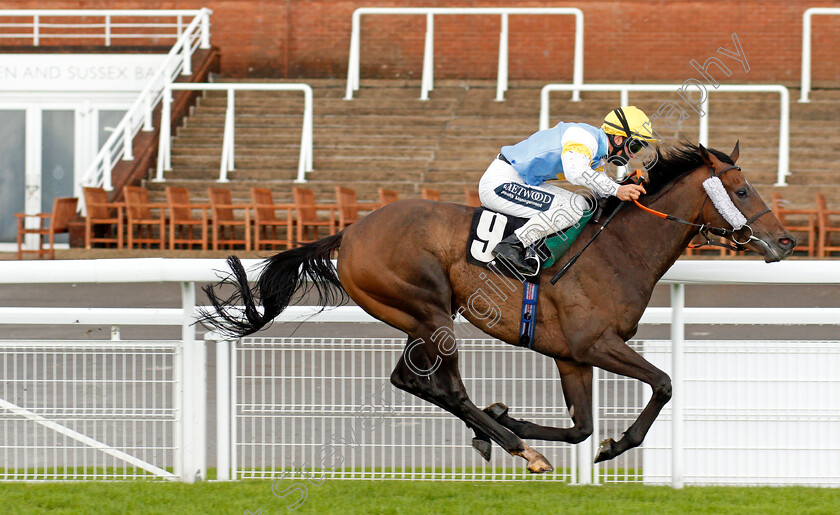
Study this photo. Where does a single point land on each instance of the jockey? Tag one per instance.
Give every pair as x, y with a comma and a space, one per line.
514, 183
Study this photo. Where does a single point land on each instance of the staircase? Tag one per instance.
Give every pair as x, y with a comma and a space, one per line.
386, 137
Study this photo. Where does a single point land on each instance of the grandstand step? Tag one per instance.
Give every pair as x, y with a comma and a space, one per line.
386, 137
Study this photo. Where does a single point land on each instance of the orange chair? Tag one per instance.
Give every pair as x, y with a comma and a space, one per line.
387, 197
104, 221
143, 226
64, 210
266, 223
181, 219
827, 226
809, 227
430, 194
349, 207
306, 211
472, 197
224, 222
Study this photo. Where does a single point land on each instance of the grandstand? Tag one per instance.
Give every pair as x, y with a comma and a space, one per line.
385, 137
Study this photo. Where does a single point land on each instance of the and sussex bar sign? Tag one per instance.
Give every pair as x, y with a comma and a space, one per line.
78, 72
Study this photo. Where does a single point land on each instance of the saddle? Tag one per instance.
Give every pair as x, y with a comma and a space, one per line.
489, 227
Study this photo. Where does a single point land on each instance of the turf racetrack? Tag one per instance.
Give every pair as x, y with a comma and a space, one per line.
340, 496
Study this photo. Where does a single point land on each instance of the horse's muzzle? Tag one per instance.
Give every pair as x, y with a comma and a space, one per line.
781, 249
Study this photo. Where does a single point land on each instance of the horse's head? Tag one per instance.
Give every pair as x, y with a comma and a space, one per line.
739, 209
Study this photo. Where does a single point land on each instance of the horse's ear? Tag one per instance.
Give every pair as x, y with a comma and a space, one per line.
735, 152
707, 157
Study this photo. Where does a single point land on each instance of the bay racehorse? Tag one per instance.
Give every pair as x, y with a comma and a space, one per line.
405, 264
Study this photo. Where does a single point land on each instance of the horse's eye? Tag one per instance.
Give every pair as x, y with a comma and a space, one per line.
742, 193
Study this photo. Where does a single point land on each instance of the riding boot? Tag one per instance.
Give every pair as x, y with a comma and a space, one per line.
525, 261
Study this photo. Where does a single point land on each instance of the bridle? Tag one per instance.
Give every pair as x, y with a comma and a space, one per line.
705, 229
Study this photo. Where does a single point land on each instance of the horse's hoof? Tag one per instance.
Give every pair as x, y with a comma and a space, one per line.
496, 410
540, 466
606, 451
483, 447
537, 463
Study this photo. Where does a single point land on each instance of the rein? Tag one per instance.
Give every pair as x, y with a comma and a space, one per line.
706, 228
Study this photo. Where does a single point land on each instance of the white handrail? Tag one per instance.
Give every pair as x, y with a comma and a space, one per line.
227, 161
37, 26
783, 169
806, 47
139, 115
428, 54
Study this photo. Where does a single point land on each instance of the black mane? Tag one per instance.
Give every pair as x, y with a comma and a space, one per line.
672, 164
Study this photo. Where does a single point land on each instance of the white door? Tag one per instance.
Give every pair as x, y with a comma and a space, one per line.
44, 149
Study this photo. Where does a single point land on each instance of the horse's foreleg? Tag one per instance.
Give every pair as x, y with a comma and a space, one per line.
430, 371
611, 353
576, 379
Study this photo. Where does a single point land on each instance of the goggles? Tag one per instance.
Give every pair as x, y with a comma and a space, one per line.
634, 146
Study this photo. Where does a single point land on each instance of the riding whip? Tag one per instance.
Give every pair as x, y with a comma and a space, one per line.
637, 178
571, 262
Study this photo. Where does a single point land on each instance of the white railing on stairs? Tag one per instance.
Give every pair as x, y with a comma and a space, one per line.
227, 164
806, 46
139, 116
428, 54
783, 169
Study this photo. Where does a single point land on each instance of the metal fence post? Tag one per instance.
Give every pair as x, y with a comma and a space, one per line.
193, 394
163, 158
805, 77
205, 28
677, 344
502, 78
223, 404
428, 58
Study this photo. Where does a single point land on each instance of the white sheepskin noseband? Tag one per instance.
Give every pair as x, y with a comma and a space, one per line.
714, 188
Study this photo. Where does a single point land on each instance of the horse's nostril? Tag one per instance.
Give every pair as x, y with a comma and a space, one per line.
787, 242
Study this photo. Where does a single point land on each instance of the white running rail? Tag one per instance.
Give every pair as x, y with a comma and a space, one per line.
178, 62
111, 24
191, 422
783, 169
227, 162
428, 54
806, 46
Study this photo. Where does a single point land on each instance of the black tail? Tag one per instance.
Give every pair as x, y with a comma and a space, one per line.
282, 275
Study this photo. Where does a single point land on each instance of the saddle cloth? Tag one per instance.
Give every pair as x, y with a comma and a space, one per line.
489, 228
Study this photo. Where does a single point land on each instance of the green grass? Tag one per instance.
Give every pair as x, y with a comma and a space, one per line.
338, 496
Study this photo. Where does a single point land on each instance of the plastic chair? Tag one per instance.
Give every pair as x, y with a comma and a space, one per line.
50, 224
104, 221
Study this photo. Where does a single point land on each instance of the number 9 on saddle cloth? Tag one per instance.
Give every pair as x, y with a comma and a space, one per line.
488, 228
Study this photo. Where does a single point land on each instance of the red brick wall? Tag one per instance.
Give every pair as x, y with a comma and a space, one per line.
624, 40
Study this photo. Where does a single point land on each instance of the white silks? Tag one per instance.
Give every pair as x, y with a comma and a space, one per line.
720, 198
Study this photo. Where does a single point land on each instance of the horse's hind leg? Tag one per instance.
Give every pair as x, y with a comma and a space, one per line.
576, 380
611, 353
429, 369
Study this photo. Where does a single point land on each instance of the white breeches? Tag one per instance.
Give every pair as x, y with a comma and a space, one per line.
549, 208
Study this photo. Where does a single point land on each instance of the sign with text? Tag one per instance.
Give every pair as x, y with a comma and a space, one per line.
78, 72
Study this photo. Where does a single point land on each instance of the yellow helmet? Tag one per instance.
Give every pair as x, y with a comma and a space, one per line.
627, 121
